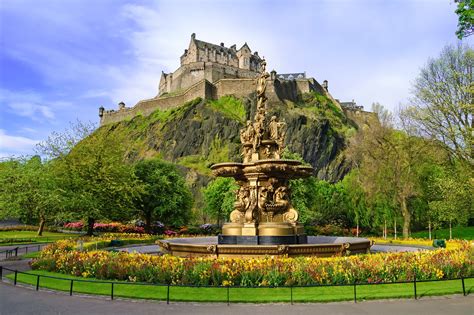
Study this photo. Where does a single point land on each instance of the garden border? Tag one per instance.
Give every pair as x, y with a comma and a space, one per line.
168, 299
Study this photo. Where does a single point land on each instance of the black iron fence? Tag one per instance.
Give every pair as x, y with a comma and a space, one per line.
20, 250
168, 298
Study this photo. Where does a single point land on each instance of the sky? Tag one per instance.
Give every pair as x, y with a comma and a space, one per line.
61, 60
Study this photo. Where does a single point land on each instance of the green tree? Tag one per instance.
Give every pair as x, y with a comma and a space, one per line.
96, 181
388, 162
452, 201
219, 198
165, 196
443, 103
61, 143
29, 190
465, 12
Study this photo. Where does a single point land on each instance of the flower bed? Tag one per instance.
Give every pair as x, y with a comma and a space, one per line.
437, 264
106, 227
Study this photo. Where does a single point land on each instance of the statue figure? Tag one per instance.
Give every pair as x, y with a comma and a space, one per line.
273, 127
249, 132
262, 81
250, 213
281, 197
281, 130
262, 198
247, 154
259, 128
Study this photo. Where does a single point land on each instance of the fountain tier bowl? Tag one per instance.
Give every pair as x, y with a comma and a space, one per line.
321, 246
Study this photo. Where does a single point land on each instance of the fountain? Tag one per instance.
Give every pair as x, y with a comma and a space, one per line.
263, 221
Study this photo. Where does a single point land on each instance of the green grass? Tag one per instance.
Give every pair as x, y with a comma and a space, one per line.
463, 232
230, 107
31, 255
253, 295
20, 237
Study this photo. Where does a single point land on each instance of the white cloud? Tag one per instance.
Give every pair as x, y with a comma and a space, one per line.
31, 105
15, 145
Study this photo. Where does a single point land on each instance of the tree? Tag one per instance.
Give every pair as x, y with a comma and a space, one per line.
61, 143
443, 103
465, 12
96, 181
453, 202
165, 196
219, 198
387, 160
29, 190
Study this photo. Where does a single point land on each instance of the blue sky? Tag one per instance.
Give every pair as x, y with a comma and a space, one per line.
61, 60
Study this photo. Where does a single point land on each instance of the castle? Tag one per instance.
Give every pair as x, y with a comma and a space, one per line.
211, 71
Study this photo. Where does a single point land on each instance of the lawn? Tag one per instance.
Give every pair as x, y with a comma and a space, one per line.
254, 295
465, 232
20, 237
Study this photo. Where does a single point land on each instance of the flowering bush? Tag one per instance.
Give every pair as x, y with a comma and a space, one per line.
269, 271
106, 227
76, 226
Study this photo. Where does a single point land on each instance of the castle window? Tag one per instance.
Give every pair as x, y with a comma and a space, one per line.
246, 61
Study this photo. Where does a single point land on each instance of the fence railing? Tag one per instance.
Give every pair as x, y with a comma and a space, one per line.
19, 250
355, 284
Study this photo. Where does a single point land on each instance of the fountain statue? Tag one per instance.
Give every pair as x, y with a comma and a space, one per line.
263, 221
263, 213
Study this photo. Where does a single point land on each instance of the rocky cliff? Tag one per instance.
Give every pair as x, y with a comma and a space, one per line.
201, 132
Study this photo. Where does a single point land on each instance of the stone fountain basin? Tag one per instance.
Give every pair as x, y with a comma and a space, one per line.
275, 167
322, 246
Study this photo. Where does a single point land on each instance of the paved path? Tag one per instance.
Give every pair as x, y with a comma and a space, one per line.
154, 249
20, 300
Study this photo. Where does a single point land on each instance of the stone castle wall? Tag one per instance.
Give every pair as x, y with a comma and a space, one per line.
192, 73
277, 91
203, 89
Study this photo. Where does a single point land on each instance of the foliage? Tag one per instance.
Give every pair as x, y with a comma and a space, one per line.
96, 182
442, 107
165, 195
219, 197
322, 107
230, 107
389, 163
465, 12
29, 190
218, 152
61, 143
452, 200
268, 271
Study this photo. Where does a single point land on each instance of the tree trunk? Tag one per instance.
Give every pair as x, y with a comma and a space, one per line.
406, 218
450, 231
395, 228
90, 226
357, 229
429, 229
385, 229
148, 223
41, 226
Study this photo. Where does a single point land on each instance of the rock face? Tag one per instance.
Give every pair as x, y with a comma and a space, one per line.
196, 135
